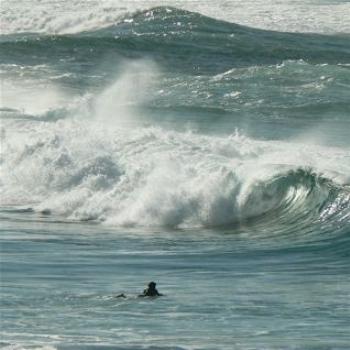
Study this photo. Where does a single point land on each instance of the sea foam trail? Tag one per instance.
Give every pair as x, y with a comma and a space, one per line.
153, 177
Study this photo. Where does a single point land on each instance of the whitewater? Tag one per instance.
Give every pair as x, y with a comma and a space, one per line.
203, 146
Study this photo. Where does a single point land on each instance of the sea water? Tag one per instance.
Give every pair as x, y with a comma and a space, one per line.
203, 146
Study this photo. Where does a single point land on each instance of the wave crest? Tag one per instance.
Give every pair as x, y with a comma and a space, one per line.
188, 40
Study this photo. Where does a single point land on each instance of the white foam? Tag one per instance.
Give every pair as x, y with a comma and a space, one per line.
31, 96
149, 176
29, 347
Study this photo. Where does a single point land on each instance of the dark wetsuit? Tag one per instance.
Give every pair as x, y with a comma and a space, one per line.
150, 292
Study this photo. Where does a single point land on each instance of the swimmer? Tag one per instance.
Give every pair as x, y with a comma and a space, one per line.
151, 291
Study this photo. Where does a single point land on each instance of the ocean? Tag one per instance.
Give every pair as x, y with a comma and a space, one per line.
202, 146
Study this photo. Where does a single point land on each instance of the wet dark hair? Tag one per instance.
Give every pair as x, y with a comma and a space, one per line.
152, 284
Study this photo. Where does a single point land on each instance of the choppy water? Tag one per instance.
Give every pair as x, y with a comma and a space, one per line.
211, 157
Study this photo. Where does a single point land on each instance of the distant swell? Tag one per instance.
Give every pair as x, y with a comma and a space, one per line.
187, 39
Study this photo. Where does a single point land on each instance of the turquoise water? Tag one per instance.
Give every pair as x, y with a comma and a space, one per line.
224, 289
210, 157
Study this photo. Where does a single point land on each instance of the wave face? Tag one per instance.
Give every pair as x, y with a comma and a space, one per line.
170, 118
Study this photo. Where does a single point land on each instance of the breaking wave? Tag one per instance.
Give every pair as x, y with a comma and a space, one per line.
153, 177
72, 147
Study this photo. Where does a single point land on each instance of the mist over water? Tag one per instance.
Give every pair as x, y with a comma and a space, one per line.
156, 143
